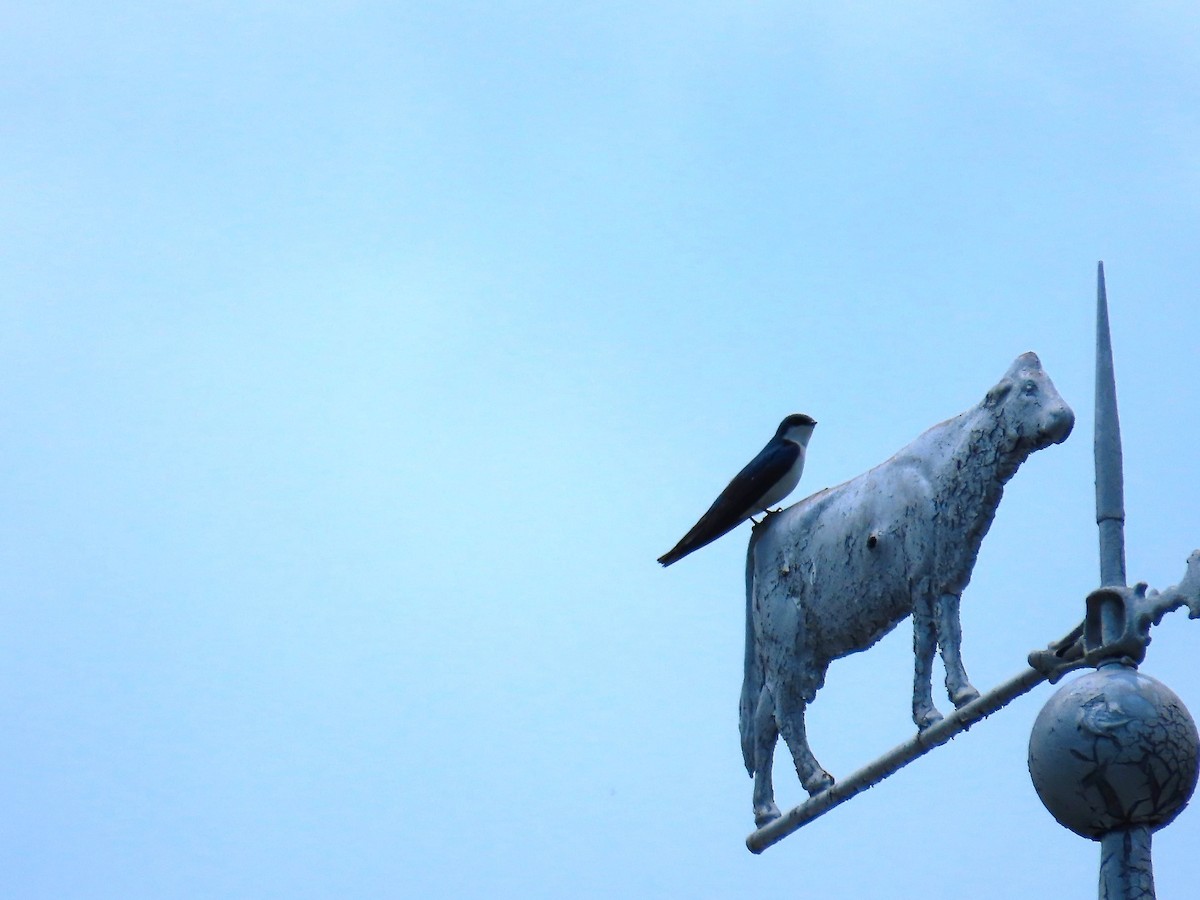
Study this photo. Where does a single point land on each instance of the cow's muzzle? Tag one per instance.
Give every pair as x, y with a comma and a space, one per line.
1059, 422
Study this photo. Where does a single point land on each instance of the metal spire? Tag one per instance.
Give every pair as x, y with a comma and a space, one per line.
1110, 482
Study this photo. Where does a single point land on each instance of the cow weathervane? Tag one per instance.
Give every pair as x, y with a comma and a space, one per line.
830, 575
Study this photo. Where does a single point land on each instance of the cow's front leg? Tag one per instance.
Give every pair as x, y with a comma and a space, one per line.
949, 637
925, 639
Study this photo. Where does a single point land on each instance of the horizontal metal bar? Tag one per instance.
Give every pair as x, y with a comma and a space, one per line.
873, 773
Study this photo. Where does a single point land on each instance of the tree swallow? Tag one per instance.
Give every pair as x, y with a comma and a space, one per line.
769, 477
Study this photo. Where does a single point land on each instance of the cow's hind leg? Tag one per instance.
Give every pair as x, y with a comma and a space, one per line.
925, 640
949, 637
789, 712
766, 733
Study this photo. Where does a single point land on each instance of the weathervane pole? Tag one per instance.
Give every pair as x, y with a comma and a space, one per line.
1113, 755
1125, 866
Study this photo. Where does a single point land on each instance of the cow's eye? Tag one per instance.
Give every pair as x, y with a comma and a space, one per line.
1030, 387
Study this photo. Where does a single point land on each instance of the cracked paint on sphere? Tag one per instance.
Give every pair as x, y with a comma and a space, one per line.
1114, 749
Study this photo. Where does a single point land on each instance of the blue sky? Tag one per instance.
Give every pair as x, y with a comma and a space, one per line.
359, 359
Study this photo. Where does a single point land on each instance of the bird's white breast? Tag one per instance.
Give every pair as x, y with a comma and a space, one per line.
783, 487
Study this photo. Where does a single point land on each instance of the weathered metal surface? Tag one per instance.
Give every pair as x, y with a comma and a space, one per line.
1118, 624
829, 576
1126, 871
1114, 749
1113, 756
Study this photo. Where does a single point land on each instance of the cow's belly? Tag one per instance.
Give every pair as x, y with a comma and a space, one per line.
858, 623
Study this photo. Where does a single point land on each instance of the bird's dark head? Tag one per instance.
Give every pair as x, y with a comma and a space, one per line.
797, 427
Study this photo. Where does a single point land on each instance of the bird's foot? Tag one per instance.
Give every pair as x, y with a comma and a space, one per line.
766, 514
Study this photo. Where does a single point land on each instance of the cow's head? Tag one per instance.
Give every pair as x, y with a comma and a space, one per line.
1026, 400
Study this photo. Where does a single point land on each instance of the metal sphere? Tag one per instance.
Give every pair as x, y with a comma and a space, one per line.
1113, 749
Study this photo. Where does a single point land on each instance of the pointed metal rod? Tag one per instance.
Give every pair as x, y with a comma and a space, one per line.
1110, 482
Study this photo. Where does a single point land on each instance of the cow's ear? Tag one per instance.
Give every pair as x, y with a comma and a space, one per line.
998, 393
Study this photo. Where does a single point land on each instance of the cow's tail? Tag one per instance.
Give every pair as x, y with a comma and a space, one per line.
752, 681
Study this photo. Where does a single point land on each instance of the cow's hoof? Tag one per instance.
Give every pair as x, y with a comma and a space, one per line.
766, 815
963, 696
927, 719
820, 781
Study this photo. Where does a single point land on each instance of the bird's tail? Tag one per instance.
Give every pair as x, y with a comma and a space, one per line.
674, 555
702, 534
